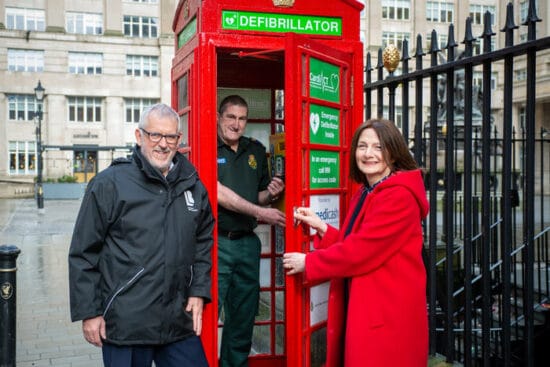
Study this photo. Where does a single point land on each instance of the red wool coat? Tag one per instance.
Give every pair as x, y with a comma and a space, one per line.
386, 316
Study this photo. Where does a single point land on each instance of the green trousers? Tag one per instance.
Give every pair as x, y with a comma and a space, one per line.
238, 294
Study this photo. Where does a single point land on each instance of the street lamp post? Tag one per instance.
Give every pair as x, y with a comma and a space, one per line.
39, 94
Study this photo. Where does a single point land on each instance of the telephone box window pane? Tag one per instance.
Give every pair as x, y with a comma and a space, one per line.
263, 231
280, 306
318, 347
261, 340
279, 339
184, 120
183, 87
279, 104
264, 307
265, 272
260, 131
279, 272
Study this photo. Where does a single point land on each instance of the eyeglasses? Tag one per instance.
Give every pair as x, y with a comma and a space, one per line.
156, 137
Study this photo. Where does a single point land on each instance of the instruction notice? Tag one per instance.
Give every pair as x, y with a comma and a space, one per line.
324, 169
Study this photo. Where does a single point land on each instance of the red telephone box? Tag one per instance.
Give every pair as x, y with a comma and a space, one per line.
299, 65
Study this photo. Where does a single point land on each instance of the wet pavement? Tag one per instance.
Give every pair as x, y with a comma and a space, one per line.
45, 335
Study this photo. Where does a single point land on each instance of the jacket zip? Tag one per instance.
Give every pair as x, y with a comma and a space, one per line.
120, 290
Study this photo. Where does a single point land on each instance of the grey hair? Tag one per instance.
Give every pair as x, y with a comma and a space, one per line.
159, 110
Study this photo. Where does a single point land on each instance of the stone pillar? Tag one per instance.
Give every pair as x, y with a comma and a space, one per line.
55, 16
112, 19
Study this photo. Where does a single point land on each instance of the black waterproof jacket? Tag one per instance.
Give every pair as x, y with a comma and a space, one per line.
141, 246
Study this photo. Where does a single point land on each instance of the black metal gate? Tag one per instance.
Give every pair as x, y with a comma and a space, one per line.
487, 235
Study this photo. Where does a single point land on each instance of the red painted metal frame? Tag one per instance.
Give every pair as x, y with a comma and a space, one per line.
199, 58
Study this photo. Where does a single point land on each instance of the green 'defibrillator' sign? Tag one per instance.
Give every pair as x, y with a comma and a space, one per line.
281, 23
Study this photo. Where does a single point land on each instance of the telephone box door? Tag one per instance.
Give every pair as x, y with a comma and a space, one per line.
319, 121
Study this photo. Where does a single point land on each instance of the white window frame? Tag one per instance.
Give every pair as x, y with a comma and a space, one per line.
84, 109
22, 153
133, 107
439, 11
442, 40
477, 13
90, 63
142, 65
84, 23
395, 38
25, 60
22, 107
26, 19
139, 26
396, 9
477, 80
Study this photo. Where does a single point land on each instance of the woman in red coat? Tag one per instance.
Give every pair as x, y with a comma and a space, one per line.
377, 300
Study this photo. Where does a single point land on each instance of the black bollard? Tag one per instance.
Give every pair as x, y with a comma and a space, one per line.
8, 304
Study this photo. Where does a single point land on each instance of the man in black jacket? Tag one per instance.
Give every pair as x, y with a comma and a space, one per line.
139, 261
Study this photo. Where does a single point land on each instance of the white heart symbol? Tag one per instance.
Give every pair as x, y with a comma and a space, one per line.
230, 21
334, 82
314, 122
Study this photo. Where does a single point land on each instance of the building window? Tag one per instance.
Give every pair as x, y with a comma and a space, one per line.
22, 107
478, 46
145, 27
134, 107
395, 38
524, 10
85, 63
442, 40
477, 13
396, 9
84, 23
84, 109
521, 74
522, 117
477, 80
437, 11
138, 65
25, 60
25, 19
398, 115
22, 157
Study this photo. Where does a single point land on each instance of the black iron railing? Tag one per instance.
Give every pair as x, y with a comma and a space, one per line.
487, 235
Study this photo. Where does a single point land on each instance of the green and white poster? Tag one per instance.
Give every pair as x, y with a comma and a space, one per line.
324, 125
324, 80
324, 169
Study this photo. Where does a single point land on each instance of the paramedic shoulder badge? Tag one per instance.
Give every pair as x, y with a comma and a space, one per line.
252, 161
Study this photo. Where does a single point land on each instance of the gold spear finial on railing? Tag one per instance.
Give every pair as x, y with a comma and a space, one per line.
391, 57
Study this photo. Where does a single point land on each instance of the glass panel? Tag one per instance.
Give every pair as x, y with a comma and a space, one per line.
279, 104
184, 120
259, 131
279, 240
265, 272
261, 340
264, 307
183, 97
279, 306
263, 231
279, 272
318, 345
279, 339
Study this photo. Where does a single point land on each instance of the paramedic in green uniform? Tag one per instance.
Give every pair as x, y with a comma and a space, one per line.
244, 192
